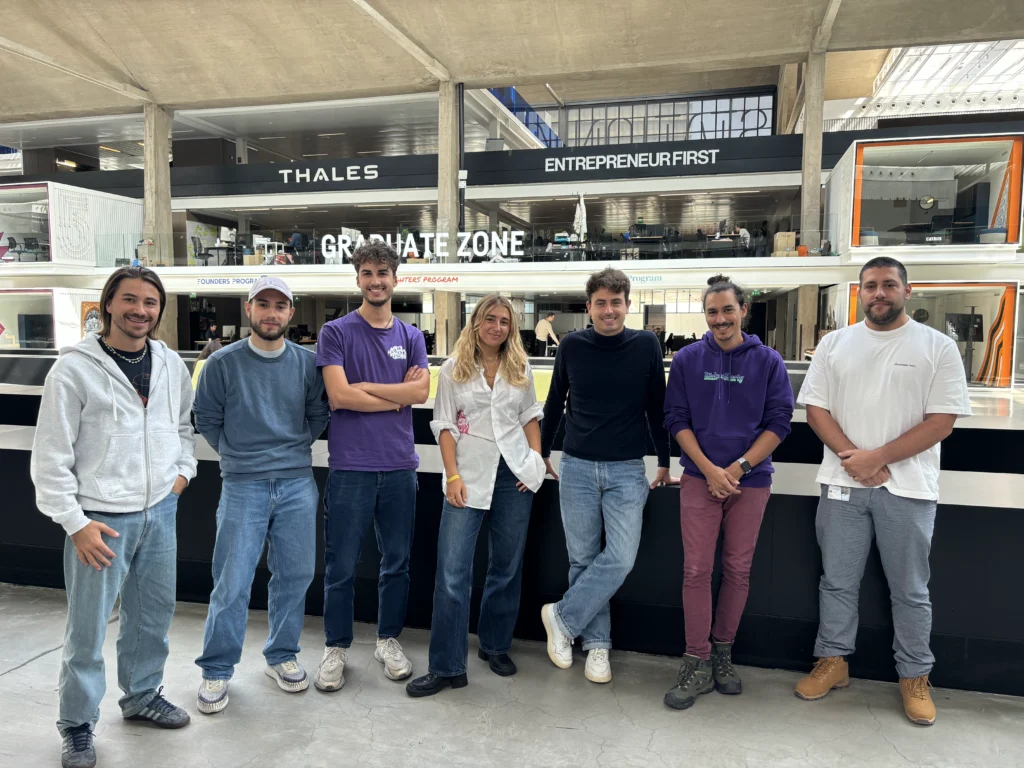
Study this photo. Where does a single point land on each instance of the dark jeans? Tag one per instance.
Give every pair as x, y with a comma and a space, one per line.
352, 499
456, 545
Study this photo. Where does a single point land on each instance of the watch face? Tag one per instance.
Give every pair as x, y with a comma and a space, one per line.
927, 202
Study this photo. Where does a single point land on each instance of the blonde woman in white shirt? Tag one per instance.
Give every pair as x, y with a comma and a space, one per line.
486, 420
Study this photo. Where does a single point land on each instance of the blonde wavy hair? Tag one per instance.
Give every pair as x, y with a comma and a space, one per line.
512, 355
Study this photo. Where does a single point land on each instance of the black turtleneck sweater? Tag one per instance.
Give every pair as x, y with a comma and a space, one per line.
616, 397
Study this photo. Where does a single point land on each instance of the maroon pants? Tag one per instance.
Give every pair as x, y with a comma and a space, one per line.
701, 517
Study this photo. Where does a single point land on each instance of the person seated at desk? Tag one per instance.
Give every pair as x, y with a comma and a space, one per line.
212, 333
744, 235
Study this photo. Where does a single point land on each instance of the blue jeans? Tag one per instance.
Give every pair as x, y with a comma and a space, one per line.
352, 499
143, 573
596, 496
453, 586
281, 514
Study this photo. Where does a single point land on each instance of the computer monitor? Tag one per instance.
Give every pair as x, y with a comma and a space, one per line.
227, 234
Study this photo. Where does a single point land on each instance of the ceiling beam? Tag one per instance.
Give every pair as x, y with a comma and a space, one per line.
823, 34
435, 67
124, 89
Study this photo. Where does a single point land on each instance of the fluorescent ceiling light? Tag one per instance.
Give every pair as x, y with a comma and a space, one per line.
373, 205
70, 138
252, 149
183, 131
370, 152
316, 154
242, 210
300, 208
267, 138
68, 163
110, 149
325, 135
140, 143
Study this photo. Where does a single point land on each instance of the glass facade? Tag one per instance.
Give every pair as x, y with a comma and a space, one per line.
24, 224
655, 120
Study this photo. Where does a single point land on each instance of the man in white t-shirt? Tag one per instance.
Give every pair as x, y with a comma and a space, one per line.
881, 395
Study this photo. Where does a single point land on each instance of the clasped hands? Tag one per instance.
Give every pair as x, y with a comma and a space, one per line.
866, 467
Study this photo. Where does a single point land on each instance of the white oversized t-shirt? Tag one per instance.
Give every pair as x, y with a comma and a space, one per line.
880, 384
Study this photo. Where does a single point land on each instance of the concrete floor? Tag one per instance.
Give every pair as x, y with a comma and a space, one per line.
542, 717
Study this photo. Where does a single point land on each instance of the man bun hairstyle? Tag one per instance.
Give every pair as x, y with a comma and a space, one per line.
614, 280
720, 284
375, 252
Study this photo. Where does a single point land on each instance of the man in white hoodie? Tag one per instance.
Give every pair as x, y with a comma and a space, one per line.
113, 451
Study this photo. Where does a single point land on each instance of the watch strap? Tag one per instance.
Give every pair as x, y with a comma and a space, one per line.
744, 465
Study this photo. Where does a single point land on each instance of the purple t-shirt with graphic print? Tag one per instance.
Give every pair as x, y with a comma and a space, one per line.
371, 442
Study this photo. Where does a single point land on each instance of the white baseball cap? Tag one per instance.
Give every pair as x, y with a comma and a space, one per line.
270, 284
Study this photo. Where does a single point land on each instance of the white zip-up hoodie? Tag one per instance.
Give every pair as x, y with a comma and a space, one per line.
97, 447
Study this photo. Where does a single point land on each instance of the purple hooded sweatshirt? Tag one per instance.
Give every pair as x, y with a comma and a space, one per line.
727, 399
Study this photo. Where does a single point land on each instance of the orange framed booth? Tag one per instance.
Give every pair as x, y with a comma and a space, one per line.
981, 316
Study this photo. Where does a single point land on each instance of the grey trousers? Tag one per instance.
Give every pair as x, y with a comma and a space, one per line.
902, 528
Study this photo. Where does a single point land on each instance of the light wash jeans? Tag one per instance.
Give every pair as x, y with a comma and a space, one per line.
902, 529
281, 514
598, 496
143, 574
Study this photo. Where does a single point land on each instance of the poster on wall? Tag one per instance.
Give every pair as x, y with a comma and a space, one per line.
91, 318
206, 234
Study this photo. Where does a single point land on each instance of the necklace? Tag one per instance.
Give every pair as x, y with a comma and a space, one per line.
129, 360
391, 321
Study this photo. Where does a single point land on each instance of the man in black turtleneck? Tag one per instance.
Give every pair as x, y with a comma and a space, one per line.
614, 378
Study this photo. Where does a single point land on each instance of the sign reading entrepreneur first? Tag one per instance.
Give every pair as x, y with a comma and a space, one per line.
625, 160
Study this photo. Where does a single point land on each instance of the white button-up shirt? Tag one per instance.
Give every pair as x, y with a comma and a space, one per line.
487, 425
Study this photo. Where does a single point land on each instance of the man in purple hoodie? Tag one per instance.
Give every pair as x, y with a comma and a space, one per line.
728, 405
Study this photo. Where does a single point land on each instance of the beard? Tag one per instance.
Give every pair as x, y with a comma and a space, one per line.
377, 302
887, 317
130, 331
272, 334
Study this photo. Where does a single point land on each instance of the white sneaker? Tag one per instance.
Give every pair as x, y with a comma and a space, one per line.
389, 653
289, 676
559, 643
213, 696
598, 670
330, 675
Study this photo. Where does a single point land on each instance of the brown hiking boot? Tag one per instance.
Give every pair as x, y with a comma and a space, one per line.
829, 672
917, 701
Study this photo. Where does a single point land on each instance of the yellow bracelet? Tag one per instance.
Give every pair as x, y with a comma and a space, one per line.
454, 477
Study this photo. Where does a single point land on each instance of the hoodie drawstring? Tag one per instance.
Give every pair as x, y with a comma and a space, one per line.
113, 400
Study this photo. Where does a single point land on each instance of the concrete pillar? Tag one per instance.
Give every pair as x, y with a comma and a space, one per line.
806, 319
494, 128
241, 152
447, 321
448, 169
168, 332
156, 201
785, 99
814, 109
492, 221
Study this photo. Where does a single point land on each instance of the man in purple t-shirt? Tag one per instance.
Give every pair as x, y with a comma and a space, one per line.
374, 367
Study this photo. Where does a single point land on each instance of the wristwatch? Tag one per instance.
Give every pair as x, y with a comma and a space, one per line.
744, 465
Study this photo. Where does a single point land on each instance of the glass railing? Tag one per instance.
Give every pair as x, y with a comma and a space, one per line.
527, 115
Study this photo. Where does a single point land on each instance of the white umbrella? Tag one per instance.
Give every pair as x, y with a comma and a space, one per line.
579, 223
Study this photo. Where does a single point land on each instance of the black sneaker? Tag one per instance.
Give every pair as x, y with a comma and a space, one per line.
78, 750
695, 677
726, 679
161, 713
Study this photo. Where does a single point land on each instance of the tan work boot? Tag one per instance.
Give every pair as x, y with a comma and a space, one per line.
917, 701
829, 672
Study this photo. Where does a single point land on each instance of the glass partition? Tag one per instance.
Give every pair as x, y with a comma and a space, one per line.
26, 320
24, 223
938, 192
979, 317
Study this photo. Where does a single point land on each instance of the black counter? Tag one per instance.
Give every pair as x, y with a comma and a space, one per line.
978, 632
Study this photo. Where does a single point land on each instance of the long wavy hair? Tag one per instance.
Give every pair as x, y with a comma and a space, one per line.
512, 356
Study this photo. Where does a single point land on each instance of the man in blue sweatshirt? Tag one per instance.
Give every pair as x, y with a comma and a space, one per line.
261, 405
728, 404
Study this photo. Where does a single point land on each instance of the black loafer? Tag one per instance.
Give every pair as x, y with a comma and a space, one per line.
430, 684
501, 663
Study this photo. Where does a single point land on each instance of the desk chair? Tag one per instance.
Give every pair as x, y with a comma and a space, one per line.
14, 248
39, 253
202, 254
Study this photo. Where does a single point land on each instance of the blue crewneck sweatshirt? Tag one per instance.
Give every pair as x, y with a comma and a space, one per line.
261, 414
727, 399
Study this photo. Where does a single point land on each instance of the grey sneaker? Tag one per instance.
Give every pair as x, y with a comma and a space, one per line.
695, 677
213, 696
726, 678
290, 676
161, 713
78, 750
